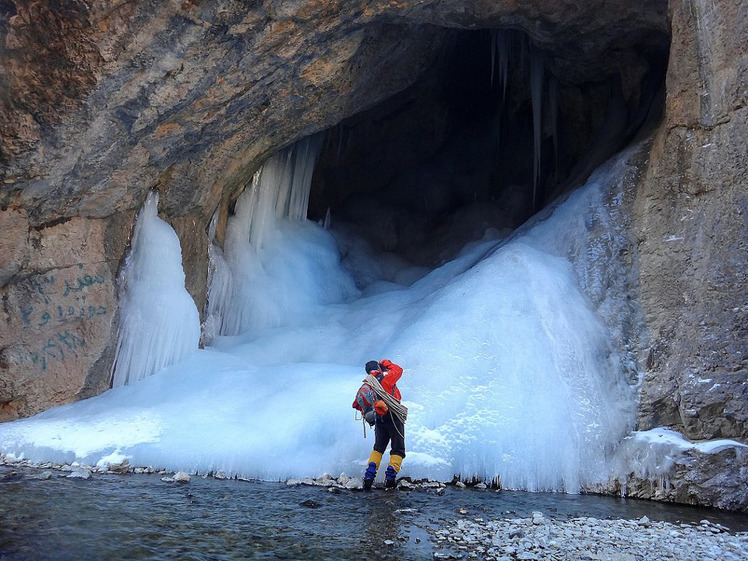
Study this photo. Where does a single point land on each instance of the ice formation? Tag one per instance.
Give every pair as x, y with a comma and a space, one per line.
501, 53
159, 323
276, 265
537, 74
509, 368
503, 42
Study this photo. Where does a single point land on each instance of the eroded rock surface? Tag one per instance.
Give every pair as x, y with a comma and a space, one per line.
692, 222
58, 322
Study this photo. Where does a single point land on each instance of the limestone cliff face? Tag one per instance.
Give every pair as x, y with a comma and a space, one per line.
692, 222
101, 101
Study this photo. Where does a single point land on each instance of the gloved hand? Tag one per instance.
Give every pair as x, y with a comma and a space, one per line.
386, 363
381, 408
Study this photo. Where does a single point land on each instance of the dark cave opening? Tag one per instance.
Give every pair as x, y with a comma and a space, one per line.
490, 134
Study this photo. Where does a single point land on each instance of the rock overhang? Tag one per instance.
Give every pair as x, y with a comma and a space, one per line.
191, 98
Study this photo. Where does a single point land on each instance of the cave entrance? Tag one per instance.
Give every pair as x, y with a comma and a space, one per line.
490, 134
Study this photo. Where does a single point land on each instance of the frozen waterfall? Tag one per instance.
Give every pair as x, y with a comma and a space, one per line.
509, 368
159, 323
275, 264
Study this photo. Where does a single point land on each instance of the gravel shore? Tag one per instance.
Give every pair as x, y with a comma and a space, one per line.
587, 539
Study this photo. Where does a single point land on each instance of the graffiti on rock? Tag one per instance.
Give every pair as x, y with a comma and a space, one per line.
58, 311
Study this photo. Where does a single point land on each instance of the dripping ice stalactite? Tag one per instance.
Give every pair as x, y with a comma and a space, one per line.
553, 95
501, 50
537, 74
159, 323
501, 47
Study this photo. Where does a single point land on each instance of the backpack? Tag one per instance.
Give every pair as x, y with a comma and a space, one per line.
366, 397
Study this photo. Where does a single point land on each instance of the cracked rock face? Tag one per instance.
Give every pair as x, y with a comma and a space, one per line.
693, 232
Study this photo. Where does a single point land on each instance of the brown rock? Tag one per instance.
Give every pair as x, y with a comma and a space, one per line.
14, 243
693, 235
58, 320
103, 102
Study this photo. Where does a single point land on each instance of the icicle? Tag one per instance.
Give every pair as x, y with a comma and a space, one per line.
501, 48
505, 44
282, 189
159, 323
537, 70
501, 42
553, 105
307, 152
494, 49
219, 283
328, 218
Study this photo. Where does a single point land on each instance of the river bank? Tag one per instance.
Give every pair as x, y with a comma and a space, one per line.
77, 512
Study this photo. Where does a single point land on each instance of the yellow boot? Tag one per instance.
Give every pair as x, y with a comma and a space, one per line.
371, 471
390, 476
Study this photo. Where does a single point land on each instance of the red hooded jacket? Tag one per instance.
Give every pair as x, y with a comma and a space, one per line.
391, 376
389, 380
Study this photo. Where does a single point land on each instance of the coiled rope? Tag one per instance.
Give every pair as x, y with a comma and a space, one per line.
393, 404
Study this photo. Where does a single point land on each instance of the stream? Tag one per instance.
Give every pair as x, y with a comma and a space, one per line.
141, 517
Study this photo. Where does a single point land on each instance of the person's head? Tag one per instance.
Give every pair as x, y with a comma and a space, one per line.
373, 366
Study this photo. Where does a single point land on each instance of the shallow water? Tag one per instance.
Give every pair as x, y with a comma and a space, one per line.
140, 517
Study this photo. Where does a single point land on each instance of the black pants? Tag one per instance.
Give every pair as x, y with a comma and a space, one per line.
389, 429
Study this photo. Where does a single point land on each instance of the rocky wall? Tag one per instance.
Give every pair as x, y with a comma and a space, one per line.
59, 309
692, 229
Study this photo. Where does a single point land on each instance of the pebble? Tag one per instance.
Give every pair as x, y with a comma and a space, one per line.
540, 537
182, 477
538, 518
79, 473
122, 467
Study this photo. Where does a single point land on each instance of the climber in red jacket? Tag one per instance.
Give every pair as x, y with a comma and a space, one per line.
388, 428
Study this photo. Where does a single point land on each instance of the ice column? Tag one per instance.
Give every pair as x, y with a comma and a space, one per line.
537, 71
553, 105
159, 323
501, 50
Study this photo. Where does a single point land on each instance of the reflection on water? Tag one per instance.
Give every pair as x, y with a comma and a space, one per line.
140, 517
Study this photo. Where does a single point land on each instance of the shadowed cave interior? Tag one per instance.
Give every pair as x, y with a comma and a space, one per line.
491, 133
